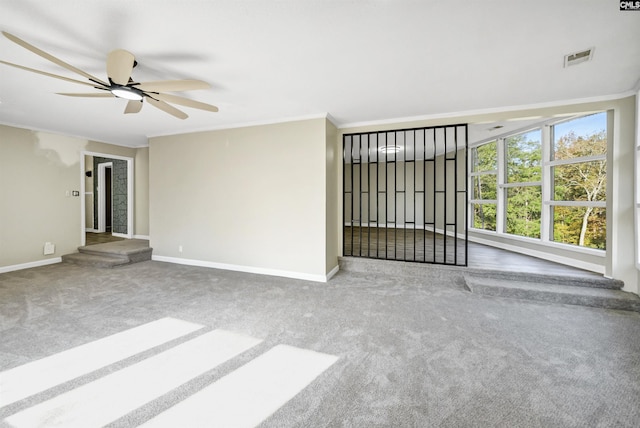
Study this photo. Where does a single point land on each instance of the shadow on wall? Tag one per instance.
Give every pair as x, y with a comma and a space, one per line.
59, 149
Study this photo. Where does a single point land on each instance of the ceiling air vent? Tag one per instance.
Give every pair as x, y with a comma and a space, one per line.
578, 57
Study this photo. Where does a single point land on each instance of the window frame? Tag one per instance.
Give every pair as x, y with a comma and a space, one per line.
546, 183
472, 175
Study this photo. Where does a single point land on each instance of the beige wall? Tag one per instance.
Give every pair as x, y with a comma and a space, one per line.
619, 262
333, 194
250, 198
88, 190
36, 171
141, 195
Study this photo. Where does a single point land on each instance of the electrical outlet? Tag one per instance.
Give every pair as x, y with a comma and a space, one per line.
179, 248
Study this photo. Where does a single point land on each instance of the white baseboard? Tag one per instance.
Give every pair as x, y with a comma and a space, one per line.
91, 230
141, 237
120, 235
333, 272
247, 269
29, 265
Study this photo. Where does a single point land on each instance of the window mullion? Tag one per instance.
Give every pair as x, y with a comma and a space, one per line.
546, 220
501, 191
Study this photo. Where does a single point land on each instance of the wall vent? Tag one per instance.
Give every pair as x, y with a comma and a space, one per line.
578, 57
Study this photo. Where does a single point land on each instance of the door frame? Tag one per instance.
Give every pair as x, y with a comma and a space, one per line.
130, 196
102, 197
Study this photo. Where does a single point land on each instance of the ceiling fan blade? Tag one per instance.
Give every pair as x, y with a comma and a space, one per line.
133, 107
185, 102
119, 66
87, 95
33, 70
172, 85
51, 58
167, 108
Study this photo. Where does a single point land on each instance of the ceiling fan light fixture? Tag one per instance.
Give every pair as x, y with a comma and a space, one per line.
126, 93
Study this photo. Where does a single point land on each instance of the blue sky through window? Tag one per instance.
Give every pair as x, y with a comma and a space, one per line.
583, 126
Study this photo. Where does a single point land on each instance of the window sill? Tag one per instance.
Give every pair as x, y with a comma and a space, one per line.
538, 242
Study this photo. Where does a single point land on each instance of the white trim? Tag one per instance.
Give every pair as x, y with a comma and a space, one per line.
120, 235
83, 203
102, 197
480, 173
483, 201
332, 272
105, 155
520, 184
495, 110
636, 172
332, 119
542, 254
239, 268
536, 241
29, 265
91, 230
141, 237
594, 204
583, 159
547, 190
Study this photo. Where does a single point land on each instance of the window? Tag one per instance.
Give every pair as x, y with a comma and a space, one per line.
484, 173
523, 183
546, 183
579, 174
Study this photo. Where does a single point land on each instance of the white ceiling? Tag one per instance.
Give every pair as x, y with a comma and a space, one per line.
359, 61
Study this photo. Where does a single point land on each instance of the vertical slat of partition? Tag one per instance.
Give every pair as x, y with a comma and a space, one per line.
415, 220
455, 195
442, 154
435, 194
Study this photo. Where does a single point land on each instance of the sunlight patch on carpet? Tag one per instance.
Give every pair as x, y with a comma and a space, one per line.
250, 394
113, 396
31, 378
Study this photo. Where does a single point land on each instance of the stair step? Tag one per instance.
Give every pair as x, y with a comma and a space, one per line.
554, 293
104, 261
111, 254
126, 247
586, 279
426, 270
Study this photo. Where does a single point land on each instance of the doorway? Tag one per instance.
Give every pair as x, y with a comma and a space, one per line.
112, 216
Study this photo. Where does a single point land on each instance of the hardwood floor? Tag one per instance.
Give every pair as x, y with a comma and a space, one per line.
405, 245
100, 238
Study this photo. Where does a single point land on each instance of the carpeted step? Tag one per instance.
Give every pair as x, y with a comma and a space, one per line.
426, 270
554, 293
111, 254
587, 279
102, 261
135, 250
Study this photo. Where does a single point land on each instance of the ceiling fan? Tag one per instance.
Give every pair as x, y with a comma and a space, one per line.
120, 64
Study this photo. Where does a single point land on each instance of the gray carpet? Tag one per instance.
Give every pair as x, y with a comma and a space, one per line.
412, 352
